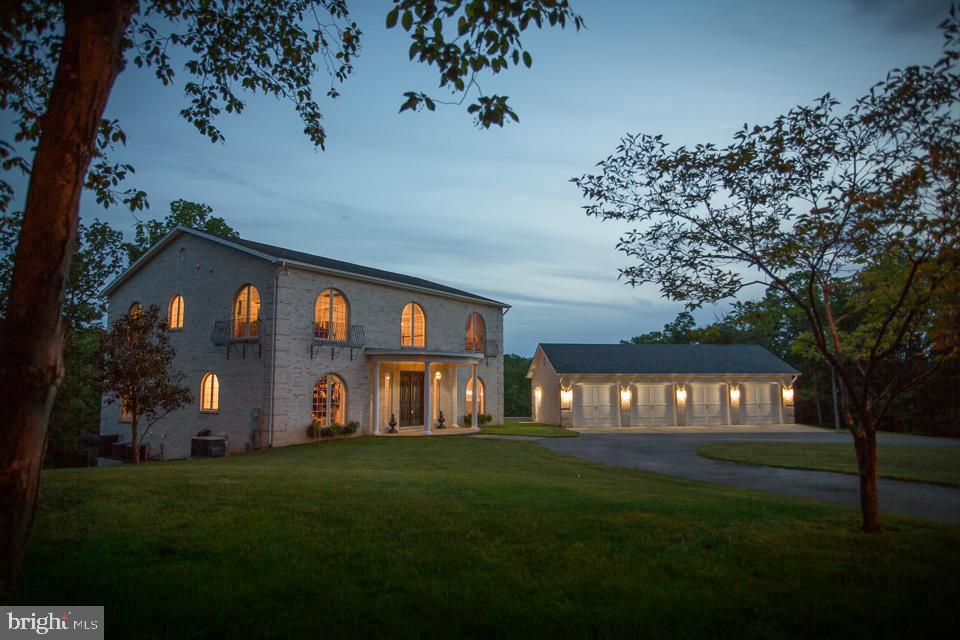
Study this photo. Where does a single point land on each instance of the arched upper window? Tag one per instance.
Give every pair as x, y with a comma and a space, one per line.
331, 317
476, 330
329, 401
135, 310
246, 312
209, 392
175, 312
413, 326
480, 405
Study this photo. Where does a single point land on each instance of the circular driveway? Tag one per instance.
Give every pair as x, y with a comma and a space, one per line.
675, 453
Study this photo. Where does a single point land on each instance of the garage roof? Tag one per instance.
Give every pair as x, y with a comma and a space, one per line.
663, 358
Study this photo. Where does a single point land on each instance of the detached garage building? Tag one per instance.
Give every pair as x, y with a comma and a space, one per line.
633, 385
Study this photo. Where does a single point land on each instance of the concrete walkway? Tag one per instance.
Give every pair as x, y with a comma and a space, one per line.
675, 453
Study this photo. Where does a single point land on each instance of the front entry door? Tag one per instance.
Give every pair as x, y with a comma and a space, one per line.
411, 398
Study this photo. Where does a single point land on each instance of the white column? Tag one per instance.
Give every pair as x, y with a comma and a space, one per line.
475, 418
427, 399
376, 398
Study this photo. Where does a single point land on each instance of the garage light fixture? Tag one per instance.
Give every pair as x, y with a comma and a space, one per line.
681, 394
566, 397
734, 393
625, 395
788, 396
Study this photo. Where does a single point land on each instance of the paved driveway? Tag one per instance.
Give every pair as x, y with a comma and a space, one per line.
675, 453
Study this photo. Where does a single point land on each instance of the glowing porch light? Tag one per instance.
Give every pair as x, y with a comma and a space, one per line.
681, 394
437, 376
625, 395
788, 396
735, 393
566, 397
538, 393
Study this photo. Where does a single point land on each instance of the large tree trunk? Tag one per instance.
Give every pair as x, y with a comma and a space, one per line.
31, 345
865, 442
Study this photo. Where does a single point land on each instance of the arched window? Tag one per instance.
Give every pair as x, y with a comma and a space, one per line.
175, 312
469, 403
331, 318
476, 330
209, 392
246, 312
413, 326
135, 310
329, 401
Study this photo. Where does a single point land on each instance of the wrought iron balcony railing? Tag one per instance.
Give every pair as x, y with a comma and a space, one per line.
338, 333
228, 334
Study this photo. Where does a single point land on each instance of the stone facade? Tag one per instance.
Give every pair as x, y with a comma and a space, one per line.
265, 400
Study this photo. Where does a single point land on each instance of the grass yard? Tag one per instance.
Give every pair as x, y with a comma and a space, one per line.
529, 429
465, 537
935, 464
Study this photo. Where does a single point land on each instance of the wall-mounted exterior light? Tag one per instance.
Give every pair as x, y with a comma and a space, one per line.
681, 394
625, 396
538, 393
788, 396
734, 393
566, 397
438, 375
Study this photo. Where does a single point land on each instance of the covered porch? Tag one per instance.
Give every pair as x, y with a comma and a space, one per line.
415, 388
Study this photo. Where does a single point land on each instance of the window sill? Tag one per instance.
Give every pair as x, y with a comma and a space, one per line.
209, 412
174, 329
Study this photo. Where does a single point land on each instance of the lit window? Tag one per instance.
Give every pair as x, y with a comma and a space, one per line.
470, 396
209, 392
413, 330
475, 332
175, 313
331, 317
246, 312
135, 310
330, 388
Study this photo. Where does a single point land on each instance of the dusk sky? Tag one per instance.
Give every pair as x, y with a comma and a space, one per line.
493, 211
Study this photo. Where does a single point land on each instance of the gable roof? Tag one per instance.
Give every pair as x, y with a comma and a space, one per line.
663, 359
310, 261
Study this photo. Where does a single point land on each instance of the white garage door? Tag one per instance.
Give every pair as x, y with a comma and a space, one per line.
594, 406
758, 403
652, 404
706, 404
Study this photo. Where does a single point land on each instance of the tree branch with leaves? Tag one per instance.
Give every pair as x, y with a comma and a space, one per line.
821, 204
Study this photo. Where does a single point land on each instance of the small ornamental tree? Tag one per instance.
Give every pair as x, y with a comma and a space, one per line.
853, 216
136, 359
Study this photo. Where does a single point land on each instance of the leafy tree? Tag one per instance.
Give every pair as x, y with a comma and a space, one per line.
863, 203
182, 212
136, 361
516, 387
58, 63
680, 331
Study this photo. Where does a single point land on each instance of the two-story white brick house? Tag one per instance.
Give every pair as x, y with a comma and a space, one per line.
271, 340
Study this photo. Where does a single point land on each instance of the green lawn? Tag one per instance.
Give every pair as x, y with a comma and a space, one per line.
465, 537
529, 429
936, 464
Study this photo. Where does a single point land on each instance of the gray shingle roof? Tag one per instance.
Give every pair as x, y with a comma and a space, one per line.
349, 267
664, 358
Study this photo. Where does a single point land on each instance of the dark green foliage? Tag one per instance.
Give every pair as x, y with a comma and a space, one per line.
76, 409
195, 215
463, 38
516, 386
471, 538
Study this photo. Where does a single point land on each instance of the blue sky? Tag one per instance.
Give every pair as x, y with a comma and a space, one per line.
494, 211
